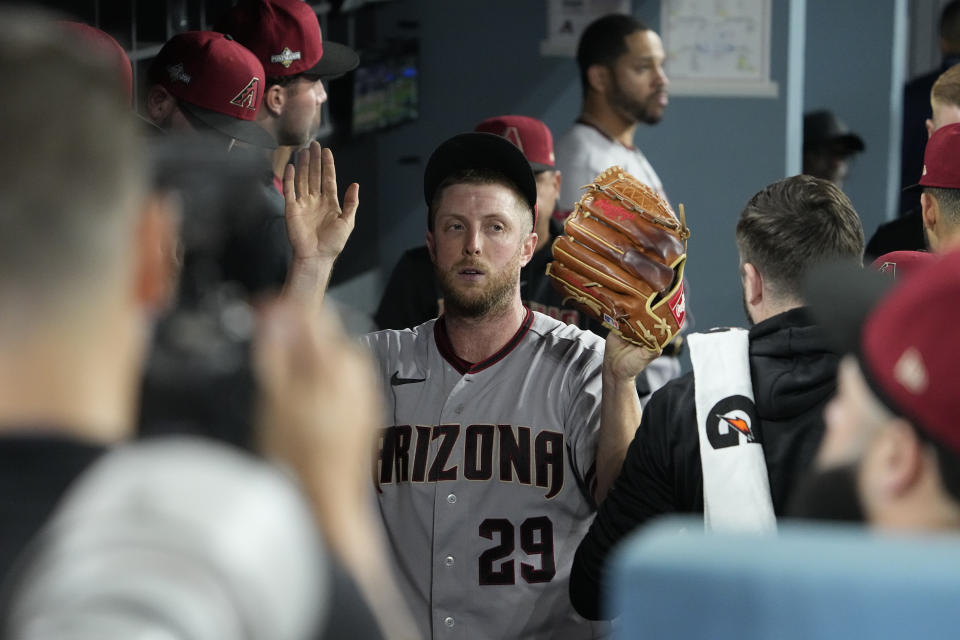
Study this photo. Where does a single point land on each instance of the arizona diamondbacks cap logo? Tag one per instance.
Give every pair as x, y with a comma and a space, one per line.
513, 135
248, 95
732, 421
285, 57
889, 267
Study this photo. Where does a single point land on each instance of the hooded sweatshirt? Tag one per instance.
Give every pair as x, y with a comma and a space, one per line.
794, 376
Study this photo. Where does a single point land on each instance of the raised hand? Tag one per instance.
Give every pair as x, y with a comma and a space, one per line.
317, 226
319, 414
319, 406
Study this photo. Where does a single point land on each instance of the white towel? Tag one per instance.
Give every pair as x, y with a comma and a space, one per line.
736, 489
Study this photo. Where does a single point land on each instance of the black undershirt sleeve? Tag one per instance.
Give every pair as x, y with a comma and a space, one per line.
642, 491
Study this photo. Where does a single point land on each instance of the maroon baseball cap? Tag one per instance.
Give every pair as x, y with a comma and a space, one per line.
217, 81
899, 264
530, 135
941, 159
285, 36
904, 334
103, 44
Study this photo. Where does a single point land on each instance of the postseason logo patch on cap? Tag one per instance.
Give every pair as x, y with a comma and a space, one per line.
286, 57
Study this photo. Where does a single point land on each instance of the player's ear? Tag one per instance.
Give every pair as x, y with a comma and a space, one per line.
159, 104
901, 458
598, 77
752, 284
529, 246
558, 179
274, 98
928, 211
158, 251
928, 123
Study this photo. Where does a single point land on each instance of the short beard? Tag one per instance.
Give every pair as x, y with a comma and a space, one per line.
495, 297
639, 111
289, 138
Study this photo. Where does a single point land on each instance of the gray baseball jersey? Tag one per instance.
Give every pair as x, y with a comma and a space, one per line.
484, 477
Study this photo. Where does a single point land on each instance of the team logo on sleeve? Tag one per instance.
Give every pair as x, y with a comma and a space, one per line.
248, 95
731, 422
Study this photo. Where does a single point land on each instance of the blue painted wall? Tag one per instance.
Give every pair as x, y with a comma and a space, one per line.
860, 79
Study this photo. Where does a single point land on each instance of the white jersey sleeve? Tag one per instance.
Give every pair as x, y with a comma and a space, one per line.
584, 152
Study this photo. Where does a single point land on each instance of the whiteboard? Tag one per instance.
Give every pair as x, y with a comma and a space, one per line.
718, 47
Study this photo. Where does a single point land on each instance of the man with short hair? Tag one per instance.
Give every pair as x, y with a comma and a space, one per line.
907, 232
917, 108
623, 81
940, 181
944, 100
892, 446
621, 73
203, 81
769, 389
285, 36
412, 297
506, 426
87, 258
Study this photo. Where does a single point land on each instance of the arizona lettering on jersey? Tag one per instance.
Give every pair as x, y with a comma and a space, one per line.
490, 452
483, 477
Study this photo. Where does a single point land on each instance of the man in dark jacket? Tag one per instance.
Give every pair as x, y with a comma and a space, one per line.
784, 230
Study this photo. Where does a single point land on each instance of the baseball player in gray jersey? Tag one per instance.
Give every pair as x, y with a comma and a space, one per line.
505, 427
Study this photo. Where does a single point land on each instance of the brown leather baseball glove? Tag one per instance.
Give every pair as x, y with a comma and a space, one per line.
621, 259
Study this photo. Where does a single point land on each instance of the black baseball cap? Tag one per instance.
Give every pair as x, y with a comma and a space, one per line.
825, 128
480, 151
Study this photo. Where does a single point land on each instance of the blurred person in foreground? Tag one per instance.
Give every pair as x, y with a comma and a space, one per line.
89, 260
891, 451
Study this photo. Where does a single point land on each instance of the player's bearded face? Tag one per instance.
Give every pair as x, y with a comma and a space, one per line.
638, 87
480, 240
493, 294
301, 117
